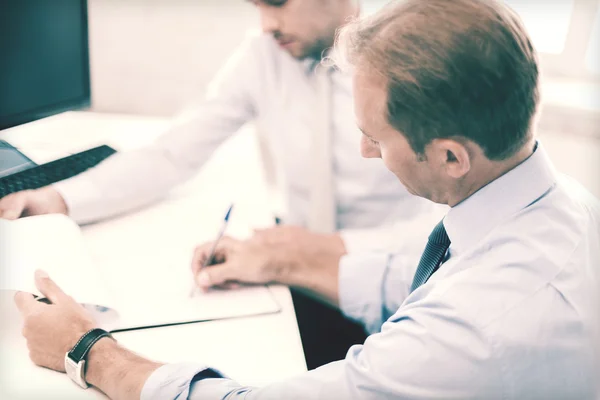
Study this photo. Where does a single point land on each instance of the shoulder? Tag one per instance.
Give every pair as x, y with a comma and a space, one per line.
523, 292
578, 198
522, 257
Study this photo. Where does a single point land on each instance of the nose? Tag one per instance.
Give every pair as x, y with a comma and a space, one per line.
268, 20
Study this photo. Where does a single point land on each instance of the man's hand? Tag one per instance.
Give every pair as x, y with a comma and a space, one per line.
32, 202
284, 254
51, 329
249, 261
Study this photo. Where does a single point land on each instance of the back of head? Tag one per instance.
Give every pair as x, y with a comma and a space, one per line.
455, 69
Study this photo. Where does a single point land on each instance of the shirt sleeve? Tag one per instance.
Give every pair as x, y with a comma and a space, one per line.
426, 350
372, 286
376, 274
132, 179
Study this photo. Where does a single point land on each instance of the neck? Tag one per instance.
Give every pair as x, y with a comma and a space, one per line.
484, 174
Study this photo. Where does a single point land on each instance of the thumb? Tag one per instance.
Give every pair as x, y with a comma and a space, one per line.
11, 214
12, 206
215, 275
25, 302
48, 288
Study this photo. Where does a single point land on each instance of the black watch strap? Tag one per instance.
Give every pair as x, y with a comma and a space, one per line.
83, 346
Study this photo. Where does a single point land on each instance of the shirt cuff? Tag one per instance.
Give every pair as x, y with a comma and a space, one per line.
174, 381
77, 192
361, 280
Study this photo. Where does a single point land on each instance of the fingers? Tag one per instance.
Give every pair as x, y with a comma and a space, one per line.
232, 286
10, 214
215, 275
25, 302
224, 248
48, 288
199, 257
12, 206
227, 245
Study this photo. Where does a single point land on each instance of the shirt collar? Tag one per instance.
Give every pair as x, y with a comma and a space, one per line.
470, 220
309, 65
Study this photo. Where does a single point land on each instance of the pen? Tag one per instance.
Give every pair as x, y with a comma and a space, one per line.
211, 254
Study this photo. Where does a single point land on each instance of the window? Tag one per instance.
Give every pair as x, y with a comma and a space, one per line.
566, 34
562, 32
547, 22
370, 6
592, 61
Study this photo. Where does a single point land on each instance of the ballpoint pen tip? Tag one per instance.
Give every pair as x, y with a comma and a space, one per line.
228, 213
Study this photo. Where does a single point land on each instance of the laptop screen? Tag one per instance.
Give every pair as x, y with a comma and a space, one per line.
12, 160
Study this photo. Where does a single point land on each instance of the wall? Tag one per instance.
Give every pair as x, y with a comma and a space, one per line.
152, 56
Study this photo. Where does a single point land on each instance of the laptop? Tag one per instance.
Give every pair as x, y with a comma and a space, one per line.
12, 160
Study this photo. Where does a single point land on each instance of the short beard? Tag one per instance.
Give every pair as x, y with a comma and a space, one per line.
318, 50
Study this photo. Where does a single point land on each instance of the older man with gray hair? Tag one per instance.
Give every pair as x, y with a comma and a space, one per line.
504, 301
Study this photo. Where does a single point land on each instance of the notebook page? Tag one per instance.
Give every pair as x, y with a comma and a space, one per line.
53, 243
155, 290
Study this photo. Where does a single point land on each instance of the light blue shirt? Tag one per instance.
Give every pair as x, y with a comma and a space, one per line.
512, 314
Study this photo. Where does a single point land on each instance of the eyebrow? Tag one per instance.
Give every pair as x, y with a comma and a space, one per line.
274, 3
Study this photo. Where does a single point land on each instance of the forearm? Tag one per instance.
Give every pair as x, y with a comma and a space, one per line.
393, 364
372, 286
316, 270
127, 181
116, 371
119, 184
321, 286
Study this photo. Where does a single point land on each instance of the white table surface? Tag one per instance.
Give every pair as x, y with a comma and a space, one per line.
253, 350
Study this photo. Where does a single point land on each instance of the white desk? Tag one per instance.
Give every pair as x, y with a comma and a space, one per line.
253, 350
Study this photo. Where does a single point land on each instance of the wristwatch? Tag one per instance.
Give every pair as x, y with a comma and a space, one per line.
75, 358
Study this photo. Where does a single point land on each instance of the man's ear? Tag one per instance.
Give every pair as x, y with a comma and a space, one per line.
454, 156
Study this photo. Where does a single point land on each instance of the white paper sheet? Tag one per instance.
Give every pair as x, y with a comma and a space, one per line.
134, 297
54, 244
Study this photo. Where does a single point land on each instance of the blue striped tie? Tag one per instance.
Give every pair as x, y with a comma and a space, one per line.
434, 253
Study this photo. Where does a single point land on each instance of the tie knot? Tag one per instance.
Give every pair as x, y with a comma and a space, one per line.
439, 235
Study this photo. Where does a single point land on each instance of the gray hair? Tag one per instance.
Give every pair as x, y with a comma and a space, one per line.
459, 68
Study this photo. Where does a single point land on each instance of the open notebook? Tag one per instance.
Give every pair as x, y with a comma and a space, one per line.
55, 244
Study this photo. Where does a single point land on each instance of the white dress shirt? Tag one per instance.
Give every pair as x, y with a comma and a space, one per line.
512, 314
261, 83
